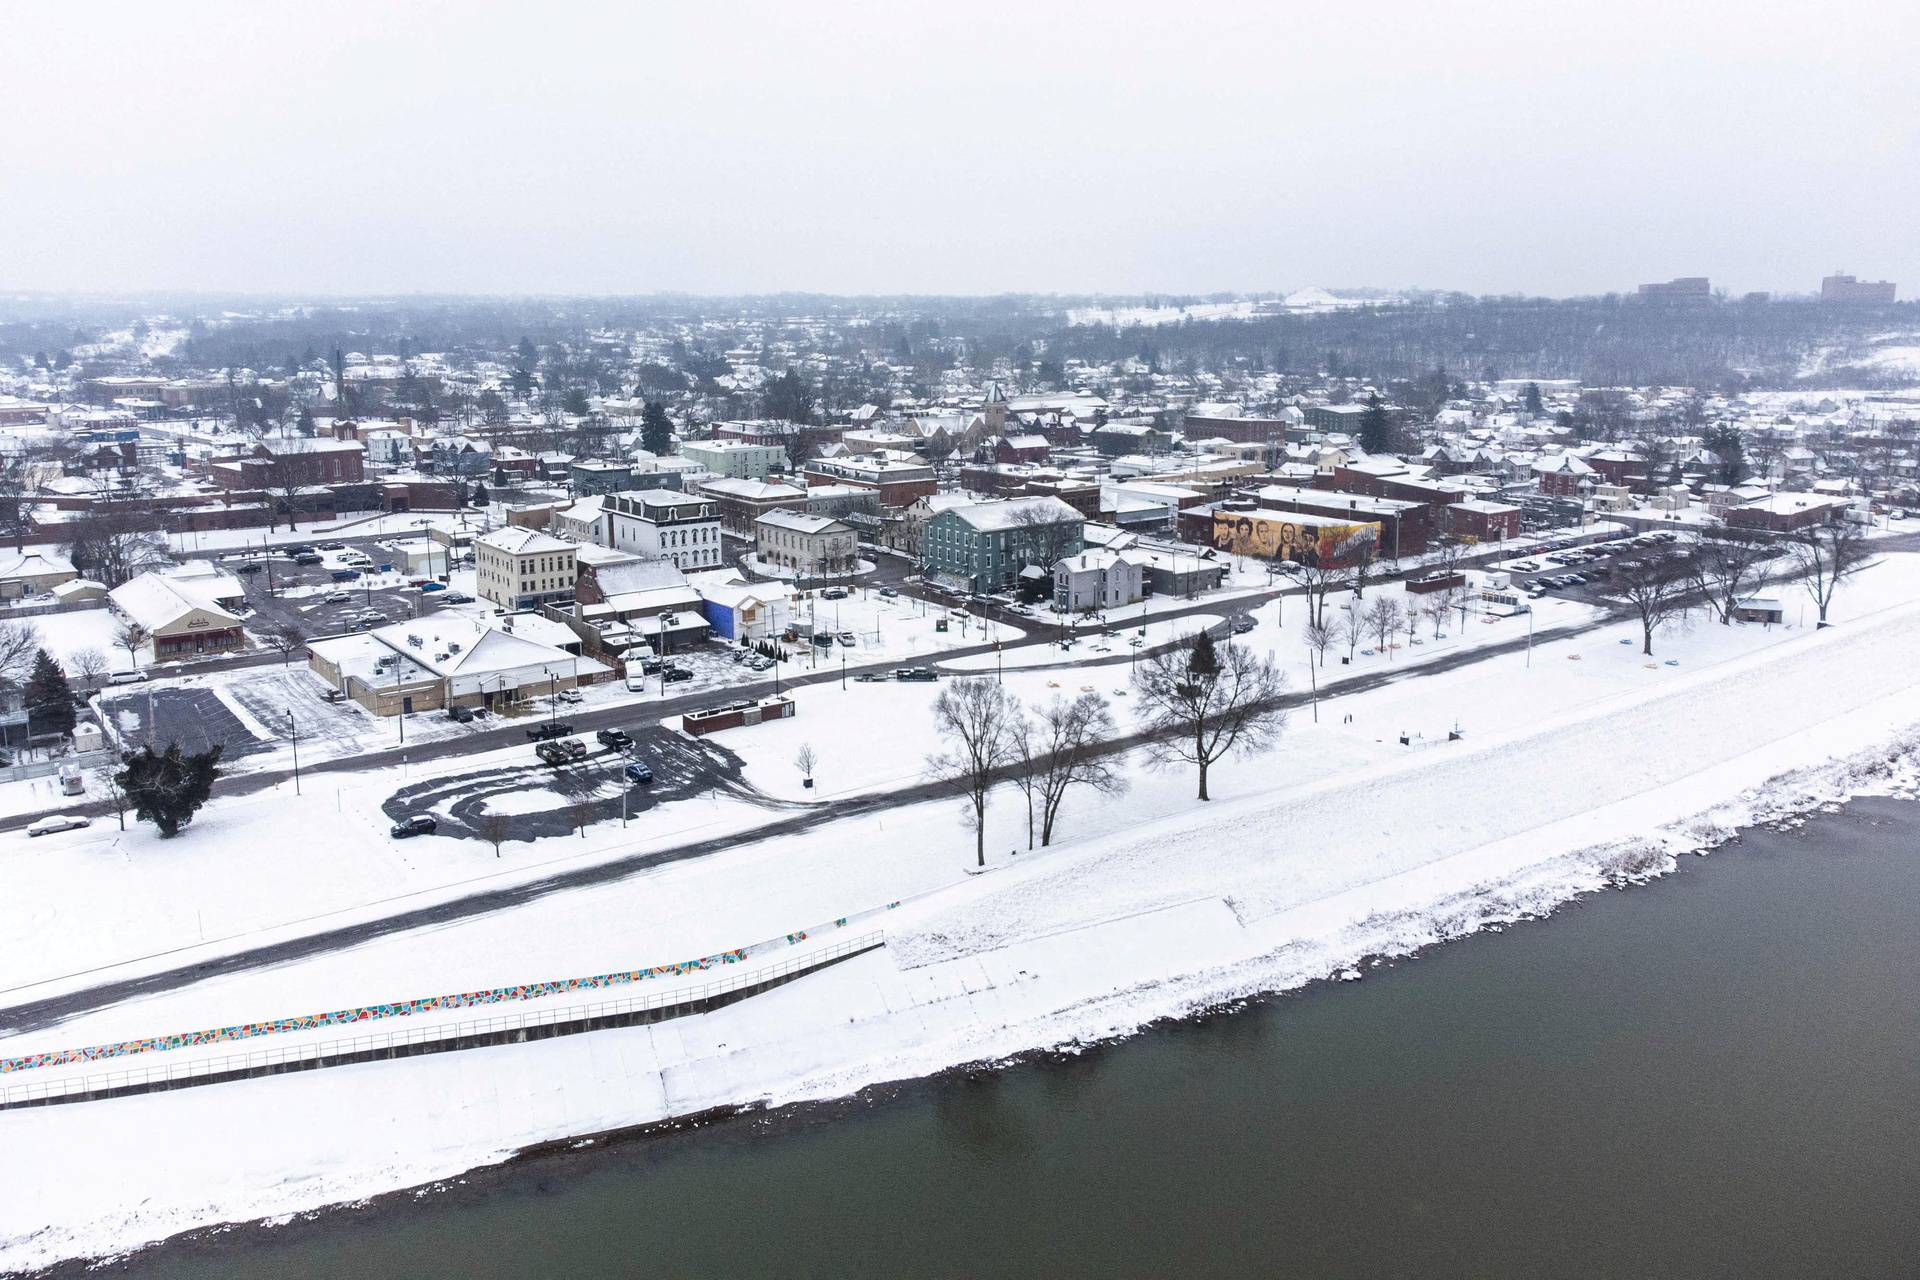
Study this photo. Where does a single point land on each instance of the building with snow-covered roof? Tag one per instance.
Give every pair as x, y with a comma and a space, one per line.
30, 573
983, 546
446, 661
805, 543
1099, 579
519, 568
181, 621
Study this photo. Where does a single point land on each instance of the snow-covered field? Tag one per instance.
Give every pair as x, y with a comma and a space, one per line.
1338, 844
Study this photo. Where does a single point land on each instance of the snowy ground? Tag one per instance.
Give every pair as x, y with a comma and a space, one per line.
1339, 843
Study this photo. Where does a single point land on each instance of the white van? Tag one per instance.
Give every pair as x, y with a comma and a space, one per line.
128, 677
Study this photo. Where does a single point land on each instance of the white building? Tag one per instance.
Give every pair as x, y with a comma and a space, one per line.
736, 459
660, 524
1099, 580
519, 568
804, 543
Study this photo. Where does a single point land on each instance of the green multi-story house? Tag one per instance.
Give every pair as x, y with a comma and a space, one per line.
985, 545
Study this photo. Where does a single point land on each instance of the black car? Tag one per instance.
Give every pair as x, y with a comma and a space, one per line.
674, 675
549, 729
251, 566
463, 715
914, 673
456, 597
420, 824
615, 739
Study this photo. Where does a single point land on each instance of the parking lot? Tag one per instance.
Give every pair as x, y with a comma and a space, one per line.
1585, 572
311, 596
537, 799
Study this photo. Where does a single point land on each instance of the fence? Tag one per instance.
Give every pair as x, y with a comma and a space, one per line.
536, 1024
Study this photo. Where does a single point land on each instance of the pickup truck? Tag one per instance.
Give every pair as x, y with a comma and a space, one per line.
914, 673
615, 739
565, 751
549, 729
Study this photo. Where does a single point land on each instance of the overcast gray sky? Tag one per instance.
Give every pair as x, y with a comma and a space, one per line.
900, 147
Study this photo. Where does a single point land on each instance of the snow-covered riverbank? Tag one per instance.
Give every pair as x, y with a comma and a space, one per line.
1380, 854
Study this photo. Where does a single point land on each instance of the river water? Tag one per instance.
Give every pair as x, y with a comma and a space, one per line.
1714, 1075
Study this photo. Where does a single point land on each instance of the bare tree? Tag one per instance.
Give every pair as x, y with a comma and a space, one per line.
1727, 563
19, 646
1411, 621
975, 718
286, 639
116, 543
132, 637
1318, 580
1383, 619
1437, 607
1198, 702
1351, 625
580, 789
494, 828
1320, 638
89, 664
1655, 586
1825, 556
804, 760
1059, 749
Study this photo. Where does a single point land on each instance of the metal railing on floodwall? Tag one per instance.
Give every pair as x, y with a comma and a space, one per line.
534, 1024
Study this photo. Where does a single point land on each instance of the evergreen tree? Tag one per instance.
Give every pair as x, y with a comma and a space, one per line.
478, 497
576, 403
49, 697
306, 424
1203, 660
168, 788
1533, 398
656, 430
1376, 432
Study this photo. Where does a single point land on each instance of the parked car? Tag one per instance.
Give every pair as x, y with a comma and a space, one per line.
914, 673
674, 675
572, 697
128, 677
461, 715
548, 729
638, 772
834, 593
420, 824
58, 822
890, 593
337, 597
848, 639
331, 546
562, 751
1239, 624
309, 557
869, 677
251, 566
615, 739
823, 639
456, 597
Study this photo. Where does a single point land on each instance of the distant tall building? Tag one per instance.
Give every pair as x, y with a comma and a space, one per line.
1678, 289
1848, 289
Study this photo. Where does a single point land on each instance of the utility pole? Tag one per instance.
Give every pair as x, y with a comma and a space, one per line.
295, 730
